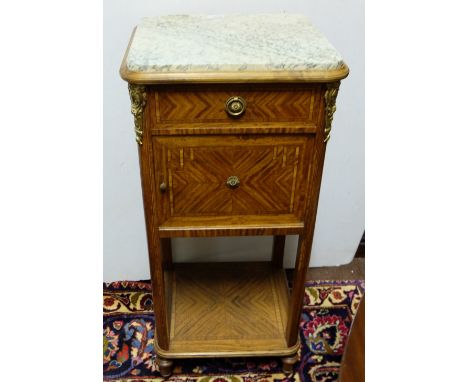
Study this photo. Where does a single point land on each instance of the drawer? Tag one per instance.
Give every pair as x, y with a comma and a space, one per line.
231, 175
253, 104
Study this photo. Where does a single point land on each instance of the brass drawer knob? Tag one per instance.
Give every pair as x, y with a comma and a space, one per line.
163, 187
235, 106
233, 182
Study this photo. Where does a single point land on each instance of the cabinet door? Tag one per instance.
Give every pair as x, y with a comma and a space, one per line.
231, 175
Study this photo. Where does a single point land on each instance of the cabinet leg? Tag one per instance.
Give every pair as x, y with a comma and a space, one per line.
278, 250
288, 364
297, 293
165, 366
166, 252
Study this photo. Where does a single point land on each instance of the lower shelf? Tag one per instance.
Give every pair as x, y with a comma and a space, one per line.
228, 309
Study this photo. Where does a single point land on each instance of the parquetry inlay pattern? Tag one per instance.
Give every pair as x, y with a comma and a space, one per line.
209, 106
221, 304
267, 179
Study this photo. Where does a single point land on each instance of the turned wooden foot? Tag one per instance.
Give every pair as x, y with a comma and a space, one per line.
288, 363
165, 367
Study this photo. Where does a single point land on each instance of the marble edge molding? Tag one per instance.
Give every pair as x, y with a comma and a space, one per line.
151, 78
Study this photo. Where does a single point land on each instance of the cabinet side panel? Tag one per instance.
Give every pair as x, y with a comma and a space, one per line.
154, 248
305, 240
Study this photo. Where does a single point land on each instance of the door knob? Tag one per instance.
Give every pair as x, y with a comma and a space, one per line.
233, 182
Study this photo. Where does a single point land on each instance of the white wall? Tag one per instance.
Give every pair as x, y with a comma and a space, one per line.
340, 219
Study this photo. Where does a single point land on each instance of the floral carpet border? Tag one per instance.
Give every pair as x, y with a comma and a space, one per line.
328, 311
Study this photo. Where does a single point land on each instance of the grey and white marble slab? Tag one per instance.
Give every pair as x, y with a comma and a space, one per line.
260, 42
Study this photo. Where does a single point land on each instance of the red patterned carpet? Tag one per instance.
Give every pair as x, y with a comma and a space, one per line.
329, 307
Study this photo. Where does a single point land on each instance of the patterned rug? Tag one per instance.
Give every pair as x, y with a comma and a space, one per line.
329, 307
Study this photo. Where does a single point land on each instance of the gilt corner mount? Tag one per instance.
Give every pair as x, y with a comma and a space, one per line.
138, 100
330, 107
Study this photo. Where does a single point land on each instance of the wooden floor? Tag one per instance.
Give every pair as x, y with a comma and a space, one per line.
352, 271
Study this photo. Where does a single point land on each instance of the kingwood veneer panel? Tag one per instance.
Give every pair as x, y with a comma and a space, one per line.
194, 172
228, 307
190, 104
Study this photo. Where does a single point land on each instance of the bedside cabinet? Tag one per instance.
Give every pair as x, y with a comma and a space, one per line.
232, 116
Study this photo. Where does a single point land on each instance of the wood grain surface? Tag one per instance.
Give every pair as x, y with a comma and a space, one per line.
233, 128
155, 254
190, 147
195, 171
228, 308
277, 255
353, 361
305, 239
234, 225
195, 105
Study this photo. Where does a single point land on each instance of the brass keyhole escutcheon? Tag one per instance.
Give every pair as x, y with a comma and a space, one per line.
163, 187
233, 182
235, 106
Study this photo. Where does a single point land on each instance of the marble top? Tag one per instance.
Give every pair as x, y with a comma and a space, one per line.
261, 42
